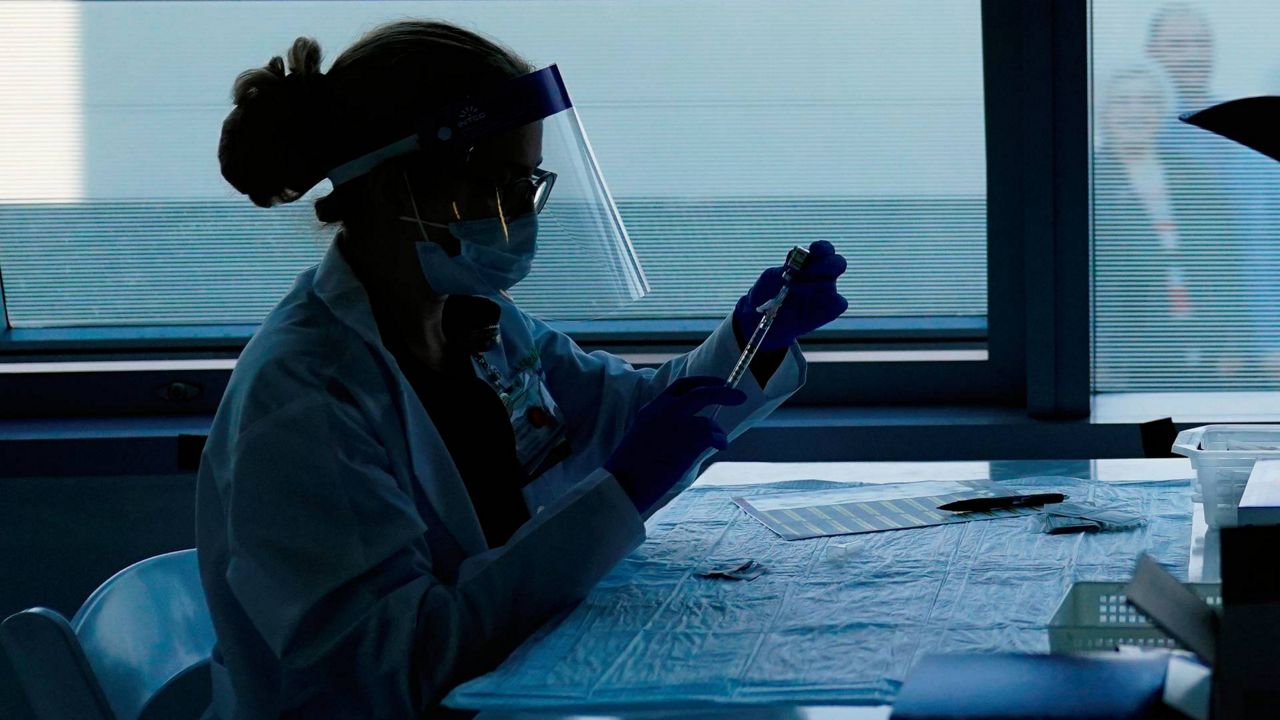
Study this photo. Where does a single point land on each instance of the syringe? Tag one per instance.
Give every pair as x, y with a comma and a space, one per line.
795, 260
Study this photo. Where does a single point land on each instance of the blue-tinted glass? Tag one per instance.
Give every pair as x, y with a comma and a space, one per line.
728, 131
1186, 224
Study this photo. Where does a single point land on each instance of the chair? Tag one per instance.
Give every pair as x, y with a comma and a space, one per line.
139, 648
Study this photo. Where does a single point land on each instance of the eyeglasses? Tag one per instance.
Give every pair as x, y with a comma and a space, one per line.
537, 187
520, 195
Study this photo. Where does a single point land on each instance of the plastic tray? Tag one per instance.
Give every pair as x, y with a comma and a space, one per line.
1223, 456
1097, 616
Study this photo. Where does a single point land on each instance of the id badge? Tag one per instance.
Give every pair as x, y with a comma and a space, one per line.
537, 423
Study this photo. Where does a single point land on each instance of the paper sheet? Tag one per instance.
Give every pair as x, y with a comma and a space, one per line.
871, 508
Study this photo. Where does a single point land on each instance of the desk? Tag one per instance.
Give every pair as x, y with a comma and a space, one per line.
1202, 562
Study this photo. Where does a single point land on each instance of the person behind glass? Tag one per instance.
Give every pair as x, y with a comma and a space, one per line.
408, 473
1232, 229
1252, 122
1138, 220
1180, 40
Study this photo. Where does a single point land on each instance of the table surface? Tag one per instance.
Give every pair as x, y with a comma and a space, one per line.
1202, 567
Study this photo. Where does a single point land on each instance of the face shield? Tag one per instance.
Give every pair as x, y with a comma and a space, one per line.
558, 213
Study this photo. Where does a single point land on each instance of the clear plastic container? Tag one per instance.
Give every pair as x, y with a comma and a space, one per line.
1098, 616
1223, 457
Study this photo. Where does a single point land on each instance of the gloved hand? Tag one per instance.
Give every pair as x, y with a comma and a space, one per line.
811, 302
667, 437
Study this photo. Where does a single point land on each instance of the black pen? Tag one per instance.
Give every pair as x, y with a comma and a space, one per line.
1002, 502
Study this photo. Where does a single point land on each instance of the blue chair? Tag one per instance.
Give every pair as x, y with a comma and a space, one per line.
138, 649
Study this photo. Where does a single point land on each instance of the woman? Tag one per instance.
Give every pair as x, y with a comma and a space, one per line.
1166, 229
409, 474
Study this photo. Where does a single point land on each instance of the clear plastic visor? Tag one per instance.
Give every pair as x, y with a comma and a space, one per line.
585, 267
523, 152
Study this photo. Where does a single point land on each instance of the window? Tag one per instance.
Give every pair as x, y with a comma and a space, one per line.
1186, 225
727, 136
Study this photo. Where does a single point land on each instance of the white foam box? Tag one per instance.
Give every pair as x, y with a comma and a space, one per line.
1260, 504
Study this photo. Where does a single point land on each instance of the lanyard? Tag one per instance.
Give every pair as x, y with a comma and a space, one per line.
537, 424
493, 377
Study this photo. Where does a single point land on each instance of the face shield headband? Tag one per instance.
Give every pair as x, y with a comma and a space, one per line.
517, 102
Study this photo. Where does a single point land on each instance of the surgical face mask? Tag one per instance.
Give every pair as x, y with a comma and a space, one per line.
494, 253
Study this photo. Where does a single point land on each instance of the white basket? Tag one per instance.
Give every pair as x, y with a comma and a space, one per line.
1097, 616
1223, 456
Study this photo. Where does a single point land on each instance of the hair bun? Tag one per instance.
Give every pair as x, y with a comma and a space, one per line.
273, 141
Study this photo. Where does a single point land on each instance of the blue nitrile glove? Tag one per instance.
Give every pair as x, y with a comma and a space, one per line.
811, 302
668, 435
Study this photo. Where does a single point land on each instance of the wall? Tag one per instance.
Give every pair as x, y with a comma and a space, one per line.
63, 536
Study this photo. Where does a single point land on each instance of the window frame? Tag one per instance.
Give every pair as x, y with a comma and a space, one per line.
1047, 46
1036, 331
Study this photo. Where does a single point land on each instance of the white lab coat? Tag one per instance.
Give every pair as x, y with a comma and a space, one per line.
345, 568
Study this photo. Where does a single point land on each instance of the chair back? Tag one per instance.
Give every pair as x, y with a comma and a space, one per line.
146, 629
138, 649
51, 667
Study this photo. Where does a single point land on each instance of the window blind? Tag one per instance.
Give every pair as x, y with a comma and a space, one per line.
1186, 225
728, 131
